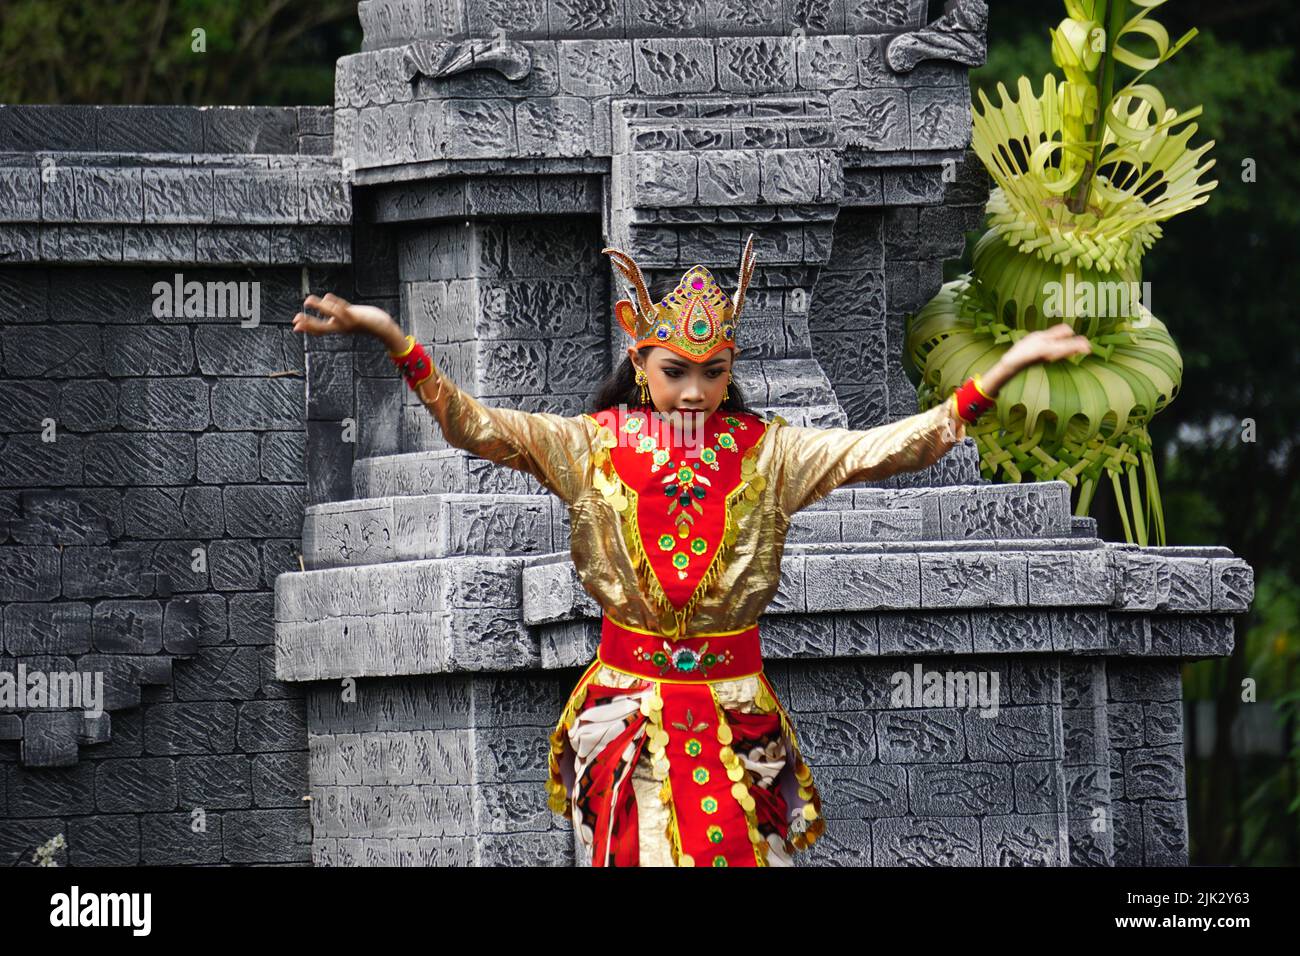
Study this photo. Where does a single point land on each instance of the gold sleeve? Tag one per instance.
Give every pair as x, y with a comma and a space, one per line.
552, 448
816, 461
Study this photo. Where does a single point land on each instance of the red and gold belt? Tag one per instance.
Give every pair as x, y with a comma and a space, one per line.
697, 658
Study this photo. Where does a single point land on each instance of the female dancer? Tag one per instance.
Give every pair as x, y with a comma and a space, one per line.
673, 749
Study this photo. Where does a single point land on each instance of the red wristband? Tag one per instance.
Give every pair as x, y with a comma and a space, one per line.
971, 400
414, 362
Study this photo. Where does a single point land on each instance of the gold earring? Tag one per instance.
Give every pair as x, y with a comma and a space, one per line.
726, 391
643, 381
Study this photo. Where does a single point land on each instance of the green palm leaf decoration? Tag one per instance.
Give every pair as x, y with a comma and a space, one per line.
1084, 176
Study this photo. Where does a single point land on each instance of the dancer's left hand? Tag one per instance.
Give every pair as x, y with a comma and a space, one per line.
1043, 345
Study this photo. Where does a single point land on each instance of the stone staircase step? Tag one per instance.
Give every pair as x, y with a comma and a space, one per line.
447, 471
1029, 574
944, 513
403, 522
415, 527
404, 617
482, 613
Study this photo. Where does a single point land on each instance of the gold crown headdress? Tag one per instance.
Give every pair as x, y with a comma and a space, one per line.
696, 320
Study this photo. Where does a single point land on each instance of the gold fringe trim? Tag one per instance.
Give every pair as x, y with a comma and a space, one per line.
657, 746
732, 763
737, 505
803, 775
640, 560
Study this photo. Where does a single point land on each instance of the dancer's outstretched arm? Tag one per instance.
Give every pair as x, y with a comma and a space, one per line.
813, 462
552, 448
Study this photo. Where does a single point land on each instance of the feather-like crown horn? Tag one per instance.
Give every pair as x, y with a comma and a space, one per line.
696, 320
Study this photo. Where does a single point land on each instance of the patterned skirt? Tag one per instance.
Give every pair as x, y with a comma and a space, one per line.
666, 773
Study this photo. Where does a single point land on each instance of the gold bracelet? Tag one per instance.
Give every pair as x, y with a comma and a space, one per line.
410, 344
979, 388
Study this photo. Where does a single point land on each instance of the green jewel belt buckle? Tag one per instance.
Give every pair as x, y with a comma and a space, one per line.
682, 659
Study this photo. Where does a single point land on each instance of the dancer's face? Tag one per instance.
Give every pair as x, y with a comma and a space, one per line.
680, 385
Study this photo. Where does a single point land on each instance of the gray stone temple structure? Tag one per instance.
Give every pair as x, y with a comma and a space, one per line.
388, 626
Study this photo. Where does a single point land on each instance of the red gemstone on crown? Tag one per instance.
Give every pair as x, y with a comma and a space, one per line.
697, 283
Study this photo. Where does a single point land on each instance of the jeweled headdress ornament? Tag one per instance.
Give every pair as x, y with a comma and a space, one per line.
696, 320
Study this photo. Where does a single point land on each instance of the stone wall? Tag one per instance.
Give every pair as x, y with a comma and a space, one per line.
154, 477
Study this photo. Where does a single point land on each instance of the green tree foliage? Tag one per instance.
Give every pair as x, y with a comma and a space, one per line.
249, 52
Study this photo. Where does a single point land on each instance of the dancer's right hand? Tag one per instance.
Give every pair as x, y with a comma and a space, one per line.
342, 316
